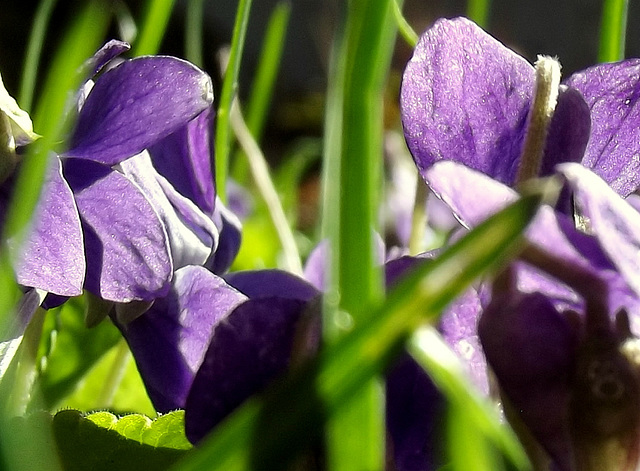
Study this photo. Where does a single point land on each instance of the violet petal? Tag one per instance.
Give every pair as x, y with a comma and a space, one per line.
137, 103
125, 242
52, 256
466, 97
612, 92
184, 158
169, 341
105, 54
535, 375
250, 349
415, 417
229, 241
192, 235
615, 222
271, 283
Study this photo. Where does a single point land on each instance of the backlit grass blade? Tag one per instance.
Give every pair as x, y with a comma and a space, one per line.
194, 32
34, 50
356, 436
470, 413
229, 89
81, 41
259, 101
153, 27
478, 11
268, 431
613, 30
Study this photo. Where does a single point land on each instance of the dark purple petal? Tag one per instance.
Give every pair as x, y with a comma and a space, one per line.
136, 104
271, 283
192, 234
105, 54
249, 350
125, 242
531, 350
169, 341
612, 92
615, 223
465, 97
229, 241
52, 256
416, 417
184, 158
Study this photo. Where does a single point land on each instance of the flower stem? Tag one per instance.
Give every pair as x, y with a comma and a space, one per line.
419, 217
260, 172
544, 104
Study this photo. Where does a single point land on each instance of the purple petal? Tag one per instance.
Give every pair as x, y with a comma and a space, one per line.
105, 54
125, 241
230, 229
192, 234
169, 341
250, 349
52, 256
136, 104
184, 158
271, 283
415, 417
531, 350
466, 97
615, 223
315, 267
612, 92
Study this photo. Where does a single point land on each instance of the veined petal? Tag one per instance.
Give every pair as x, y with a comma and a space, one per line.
612, 92
105, 54
465, 97
170, 340
136, 104
229, 241
125, 241
192, 235
249, 350
615, 223
52, 256
184, 158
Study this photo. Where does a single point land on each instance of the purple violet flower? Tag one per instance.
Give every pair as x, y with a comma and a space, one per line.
132, 199
560, 336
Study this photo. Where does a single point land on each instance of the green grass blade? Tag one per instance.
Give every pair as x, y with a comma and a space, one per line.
404, 28
613, 30
257, 107
153, 28
478, 11
193, 32
267, 432
267, 72
34, 50
445, 368
229, 89
355, 437
81, 41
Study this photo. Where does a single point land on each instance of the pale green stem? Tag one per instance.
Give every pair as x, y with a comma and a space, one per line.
260, 172
419, 217
542, 108
116, 373
404, 28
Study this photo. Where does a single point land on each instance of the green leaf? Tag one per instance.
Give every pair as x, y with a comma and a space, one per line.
166, 431
153, 27
104, 442
268, 431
